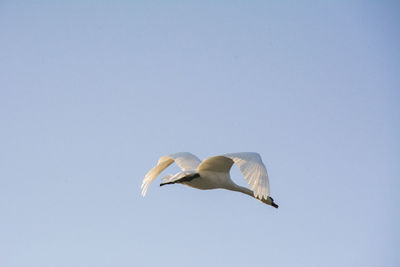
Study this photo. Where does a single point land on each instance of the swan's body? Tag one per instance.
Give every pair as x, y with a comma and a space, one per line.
213, 173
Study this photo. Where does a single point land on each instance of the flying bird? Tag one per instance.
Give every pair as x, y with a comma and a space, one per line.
213, 173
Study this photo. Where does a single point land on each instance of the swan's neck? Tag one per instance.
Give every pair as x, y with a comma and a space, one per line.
244, 190
241, 189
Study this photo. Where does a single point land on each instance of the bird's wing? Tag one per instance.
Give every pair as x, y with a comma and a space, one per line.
250, 165
185, 160
254, 171
216, 164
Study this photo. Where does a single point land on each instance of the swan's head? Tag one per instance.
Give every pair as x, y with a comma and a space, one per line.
269, 201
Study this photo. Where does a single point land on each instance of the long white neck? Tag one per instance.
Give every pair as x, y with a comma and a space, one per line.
244, 190
238, 188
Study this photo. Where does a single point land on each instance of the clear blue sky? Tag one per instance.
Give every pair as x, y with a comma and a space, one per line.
92, 94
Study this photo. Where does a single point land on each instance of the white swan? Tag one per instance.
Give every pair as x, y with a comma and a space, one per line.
213, 173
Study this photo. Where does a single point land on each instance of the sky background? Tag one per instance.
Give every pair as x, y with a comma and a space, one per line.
93, 93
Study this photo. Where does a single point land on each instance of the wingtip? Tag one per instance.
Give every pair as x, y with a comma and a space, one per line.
143, 185
144, 191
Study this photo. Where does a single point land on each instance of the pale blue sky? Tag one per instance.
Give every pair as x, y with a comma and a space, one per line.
91, 94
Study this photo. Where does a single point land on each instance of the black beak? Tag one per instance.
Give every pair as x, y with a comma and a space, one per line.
274, 205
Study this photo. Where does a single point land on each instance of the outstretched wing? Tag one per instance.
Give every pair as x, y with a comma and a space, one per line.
250, 165
254, 171
185, 160
216, 164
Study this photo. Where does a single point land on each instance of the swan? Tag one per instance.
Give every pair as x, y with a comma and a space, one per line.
213, 173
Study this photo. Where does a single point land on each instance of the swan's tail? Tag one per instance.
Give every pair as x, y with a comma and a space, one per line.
180, 177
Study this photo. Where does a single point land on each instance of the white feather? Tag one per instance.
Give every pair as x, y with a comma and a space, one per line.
185, 160
250, 165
